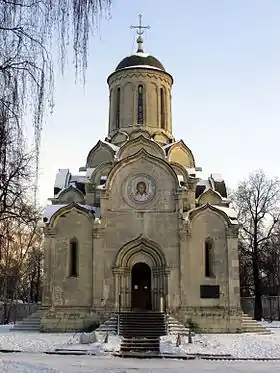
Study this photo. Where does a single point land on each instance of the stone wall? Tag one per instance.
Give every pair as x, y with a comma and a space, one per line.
212, 319
271, 306
17, 311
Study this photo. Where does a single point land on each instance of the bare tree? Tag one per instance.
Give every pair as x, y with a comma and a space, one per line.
15, 173
257, 202
28, 30
20, 256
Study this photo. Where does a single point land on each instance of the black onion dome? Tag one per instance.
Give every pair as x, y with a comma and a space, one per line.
138, 60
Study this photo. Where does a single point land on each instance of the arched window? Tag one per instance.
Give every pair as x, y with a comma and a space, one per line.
140, 106
73, 258
208, 253
118, 107
162, 108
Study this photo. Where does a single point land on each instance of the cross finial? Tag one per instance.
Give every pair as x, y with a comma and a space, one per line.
140, 31
140, 28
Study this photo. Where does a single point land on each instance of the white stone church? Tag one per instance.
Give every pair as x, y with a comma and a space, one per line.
139, 228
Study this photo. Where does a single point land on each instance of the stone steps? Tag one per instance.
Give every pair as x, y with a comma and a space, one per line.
110, 325
142, 324
174, 327
141, 331
249, 325
140, 345
30, 324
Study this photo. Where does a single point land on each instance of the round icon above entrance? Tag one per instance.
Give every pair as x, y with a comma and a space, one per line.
141, 189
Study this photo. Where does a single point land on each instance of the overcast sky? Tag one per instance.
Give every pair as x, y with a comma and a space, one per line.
225, 60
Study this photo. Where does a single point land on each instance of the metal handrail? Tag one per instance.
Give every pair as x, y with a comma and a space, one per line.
118, 316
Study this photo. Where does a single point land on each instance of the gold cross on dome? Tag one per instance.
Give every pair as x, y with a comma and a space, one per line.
140, 28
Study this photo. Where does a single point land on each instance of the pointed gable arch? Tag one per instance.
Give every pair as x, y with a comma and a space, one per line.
67, 209
101, 152
139, 132
70, 194
102, 170
180, 170
142, 154
119, 138
180, 153
161, 137
140, 142
142, 245
210, 208
210, 196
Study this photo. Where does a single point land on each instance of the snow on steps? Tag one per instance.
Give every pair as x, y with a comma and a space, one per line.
250, 325
175, 327
110, 325
30, 324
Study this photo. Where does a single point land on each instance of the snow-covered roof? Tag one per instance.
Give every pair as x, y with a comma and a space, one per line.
142, 67
62, 178
50, 210
232, 215
78, 178
217, 178
141, 54
205, 183
113, 146
89, 172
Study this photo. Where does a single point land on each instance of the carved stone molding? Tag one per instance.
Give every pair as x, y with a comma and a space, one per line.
161, 271
98, 233
185, 230
89, 188
49, 232
232, 232
121, 271
160, 75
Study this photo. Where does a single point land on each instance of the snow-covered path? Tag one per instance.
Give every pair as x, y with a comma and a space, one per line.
37, 363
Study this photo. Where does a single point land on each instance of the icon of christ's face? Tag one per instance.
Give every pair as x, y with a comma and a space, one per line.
141, 188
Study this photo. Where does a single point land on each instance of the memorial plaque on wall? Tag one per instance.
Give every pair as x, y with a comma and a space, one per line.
209, 291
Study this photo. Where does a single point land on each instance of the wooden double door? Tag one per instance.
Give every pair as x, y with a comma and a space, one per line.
141, 295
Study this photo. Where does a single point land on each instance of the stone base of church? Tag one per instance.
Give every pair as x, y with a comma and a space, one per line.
212, 319
208, 319
69, 319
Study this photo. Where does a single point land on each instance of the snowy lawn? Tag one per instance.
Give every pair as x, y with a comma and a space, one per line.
238, 345
41, 342
247, 345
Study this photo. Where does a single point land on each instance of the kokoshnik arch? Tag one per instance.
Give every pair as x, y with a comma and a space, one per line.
139, 227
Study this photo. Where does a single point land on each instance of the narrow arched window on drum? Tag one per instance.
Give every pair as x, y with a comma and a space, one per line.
140, 106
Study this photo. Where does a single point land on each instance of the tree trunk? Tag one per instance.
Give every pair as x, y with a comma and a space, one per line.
258, 311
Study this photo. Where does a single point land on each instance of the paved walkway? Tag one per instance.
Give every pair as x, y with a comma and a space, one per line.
38, 363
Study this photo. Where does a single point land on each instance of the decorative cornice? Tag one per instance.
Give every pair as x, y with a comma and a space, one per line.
145, 73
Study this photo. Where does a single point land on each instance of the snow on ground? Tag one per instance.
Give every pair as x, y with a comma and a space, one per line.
41, 342
271, 325
38, 363
247, 345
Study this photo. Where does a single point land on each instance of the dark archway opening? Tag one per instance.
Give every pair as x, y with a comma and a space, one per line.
141, 287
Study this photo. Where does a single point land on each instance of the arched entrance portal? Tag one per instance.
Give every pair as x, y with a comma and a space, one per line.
141, 298
140, 276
